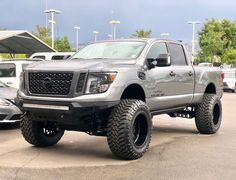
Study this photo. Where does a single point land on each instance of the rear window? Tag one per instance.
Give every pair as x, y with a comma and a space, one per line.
58, 57
39, 57
7, 70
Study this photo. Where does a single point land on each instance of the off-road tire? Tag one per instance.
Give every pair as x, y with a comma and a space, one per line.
208, 114
33, 132
126, 139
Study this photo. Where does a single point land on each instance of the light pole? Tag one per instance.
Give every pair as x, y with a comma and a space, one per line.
109, 36
165, 35
193, 40
46, 7
114, 24
77, 28
95, 35
52, 11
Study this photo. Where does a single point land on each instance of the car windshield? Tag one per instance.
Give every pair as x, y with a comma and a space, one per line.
111, 50
7, 70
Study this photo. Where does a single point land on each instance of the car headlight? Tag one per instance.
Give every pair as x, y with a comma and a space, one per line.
4, 102
99, 82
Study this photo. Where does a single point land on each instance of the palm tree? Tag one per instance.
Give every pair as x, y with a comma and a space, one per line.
141, 33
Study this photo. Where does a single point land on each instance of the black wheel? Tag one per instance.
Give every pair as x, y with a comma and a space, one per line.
208, 114
129, 129
40, 133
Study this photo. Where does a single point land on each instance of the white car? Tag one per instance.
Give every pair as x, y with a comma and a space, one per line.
229, 79
9, 112
206, 64
10, 70
52, 55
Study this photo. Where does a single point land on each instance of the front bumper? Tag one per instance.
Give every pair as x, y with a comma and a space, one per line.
9, 114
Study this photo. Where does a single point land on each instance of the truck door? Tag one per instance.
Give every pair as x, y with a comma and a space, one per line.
158, 82
182, 85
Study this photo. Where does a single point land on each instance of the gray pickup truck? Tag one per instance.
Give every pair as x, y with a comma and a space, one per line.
113, 89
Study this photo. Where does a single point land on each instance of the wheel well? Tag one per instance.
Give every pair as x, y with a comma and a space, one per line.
210, 89
134, 91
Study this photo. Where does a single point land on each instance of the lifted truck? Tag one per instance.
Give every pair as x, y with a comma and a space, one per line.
113, 89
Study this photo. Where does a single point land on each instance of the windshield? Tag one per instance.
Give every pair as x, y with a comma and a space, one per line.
111, 50
7, 70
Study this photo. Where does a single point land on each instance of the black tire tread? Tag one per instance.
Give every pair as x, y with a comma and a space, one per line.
119, 126
31, 133
203, 114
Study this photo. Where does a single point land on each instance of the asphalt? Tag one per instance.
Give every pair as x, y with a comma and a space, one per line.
177, 151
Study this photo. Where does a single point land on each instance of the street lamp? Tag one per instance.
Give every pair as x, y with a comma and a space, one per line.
165, 35
193, 40
95, 35
114, 24
109, 36
77, 28
52, 11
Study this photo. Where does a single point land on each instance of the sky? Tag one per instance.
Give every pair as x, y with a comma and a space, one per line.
90, 15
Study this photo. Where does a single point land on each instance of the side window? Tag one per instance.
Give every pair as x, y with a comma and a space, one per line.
156, 50
177, 54
58, 57
39, 57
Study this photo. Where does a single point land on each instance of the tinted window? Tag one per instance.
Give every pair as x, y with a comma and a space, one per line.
39, 57
57, 57
7, 70
177, 54
156, 50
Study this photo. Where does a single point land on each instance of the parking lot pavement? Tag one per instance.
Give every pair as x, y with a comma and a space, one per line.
177, 152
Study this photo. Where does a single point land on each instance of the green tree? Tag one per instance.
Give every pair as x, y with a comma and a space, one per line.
44, 34
229, 57
141, 33
215, 38
62, 44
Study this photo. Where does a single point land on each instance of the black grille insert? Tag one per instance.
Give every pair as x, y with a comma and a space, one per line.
81, 82
52, 83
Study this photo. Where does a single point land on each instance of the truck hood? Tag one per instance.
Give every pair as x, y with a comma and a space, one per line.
77, 65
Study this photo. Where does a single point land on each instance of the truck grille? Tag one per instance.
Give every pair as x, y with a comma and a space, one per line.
51, 83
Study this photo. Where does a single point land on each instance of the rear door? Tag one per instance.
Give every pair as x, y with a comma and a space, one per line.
183, 75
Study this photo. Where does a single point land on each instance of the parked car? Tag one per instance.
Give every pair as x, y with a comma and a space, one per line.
52, 55
9, 112
11, 69
113, 89
206, 64
229, 78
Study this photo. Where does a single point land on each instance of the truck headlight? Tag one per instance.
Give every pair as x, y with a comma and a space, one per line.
99, 82
4, 102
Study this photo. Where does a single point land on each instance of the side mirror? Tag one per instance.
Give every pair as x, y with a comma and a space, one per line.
162, 60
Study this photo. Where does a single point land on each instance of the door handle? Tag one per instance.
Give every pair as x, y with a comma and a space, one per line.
172, 73
190, 73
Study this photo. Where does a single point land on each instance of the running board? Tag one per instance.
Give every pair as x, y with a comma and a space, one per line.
166, 111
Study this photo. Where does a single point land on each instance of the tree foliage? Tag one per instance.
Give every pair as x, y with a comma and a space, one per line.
216, 38
229, 57
62, 44
44, 34
141, 33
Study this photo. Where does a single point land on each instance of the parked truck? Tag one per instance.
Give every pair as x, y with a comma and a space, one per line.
113, 89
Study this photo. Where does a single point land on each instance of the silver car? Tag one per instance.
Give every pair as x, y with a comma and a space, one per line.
9, 112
